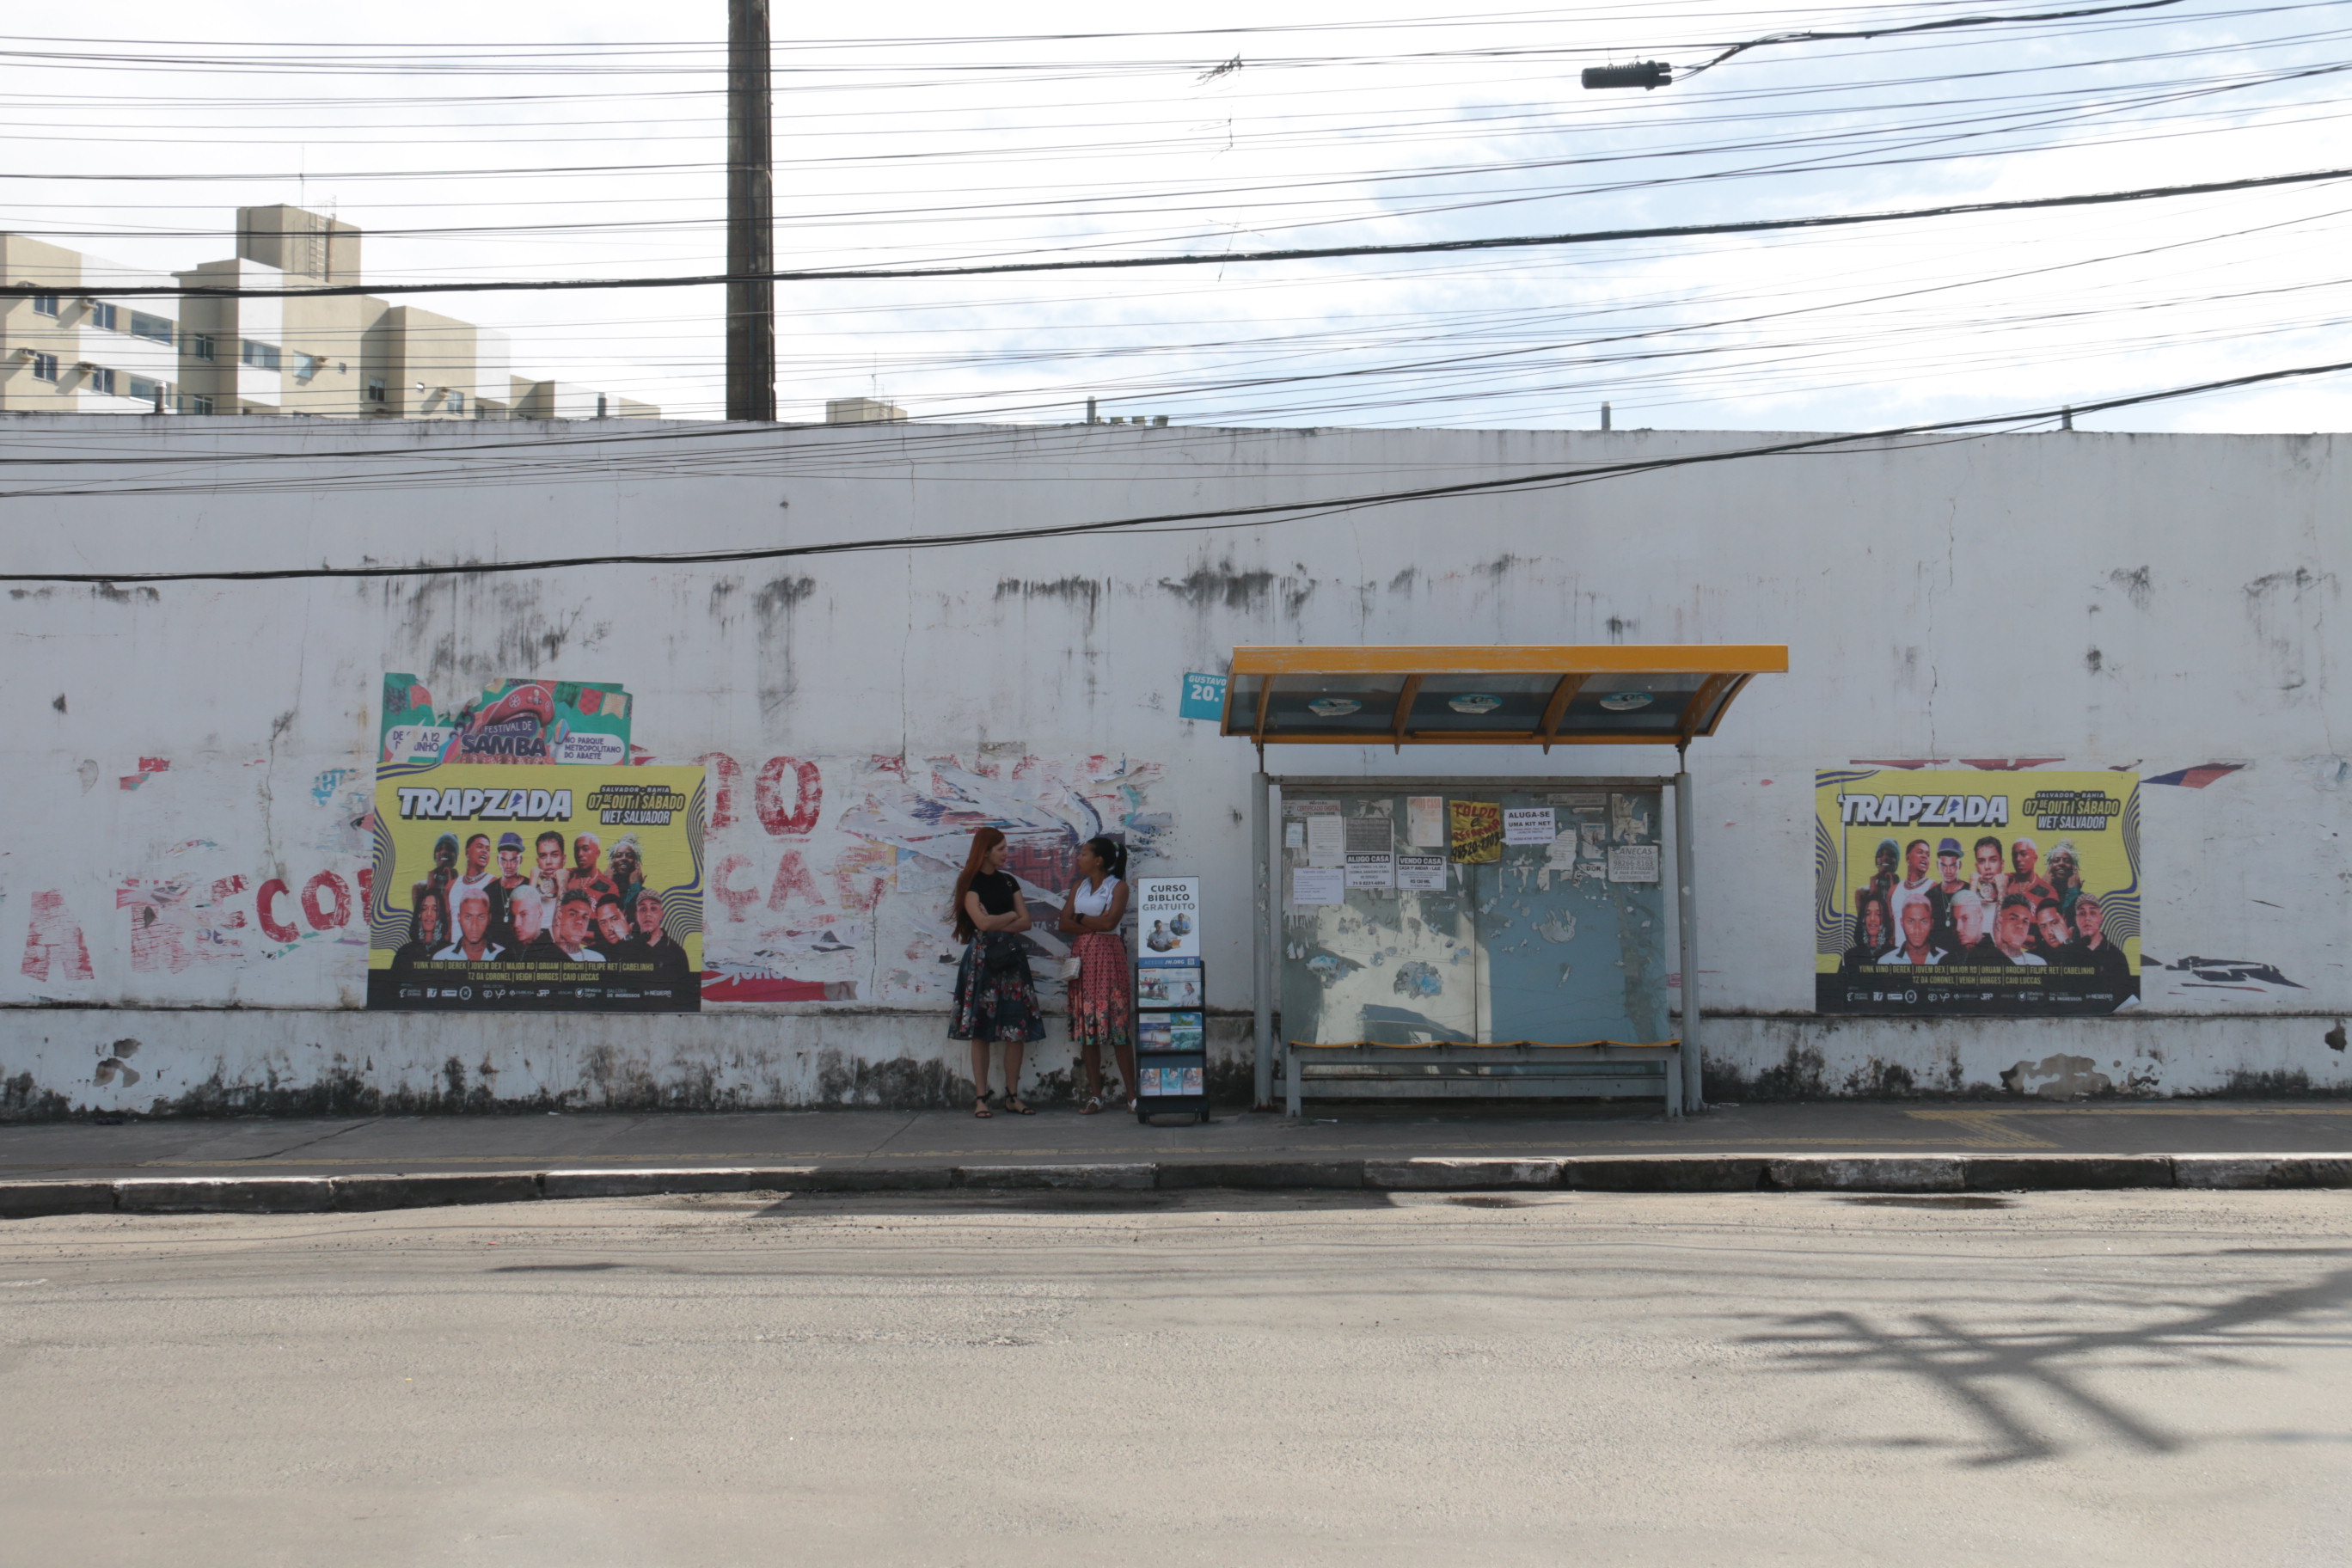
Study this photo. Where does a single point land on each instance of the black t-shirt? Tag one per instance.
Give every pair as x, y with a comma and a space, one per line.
2108, 962
999, 893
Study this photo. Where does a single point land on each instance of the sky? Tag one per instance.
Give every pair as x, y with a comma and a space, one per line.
587, 141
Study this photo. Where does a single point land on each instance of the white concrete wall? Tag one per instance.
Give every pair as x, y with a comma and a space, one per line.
189, 763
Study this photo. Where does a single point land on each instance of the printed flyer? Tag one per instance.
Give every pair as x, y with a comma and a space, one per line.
1477, 827
577, 722
581, 895
1970, 892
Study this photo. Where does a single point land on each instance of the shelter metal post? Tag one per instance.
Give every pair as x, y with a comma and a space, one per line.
1687, 924
1262, 934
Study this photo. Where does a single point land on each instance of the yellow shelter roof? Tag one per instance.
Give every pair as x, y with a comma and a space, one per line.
1615, 695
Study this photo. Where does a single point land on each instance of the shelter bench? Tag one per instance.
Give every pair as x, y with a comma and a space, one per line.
1481, 1072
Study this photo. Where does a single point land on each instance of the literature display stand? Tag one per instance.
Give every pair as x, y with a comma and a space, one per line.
1172, 1039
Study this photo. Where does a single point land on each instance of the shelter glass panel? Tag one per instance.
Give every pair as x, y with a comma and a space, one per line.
1388, 938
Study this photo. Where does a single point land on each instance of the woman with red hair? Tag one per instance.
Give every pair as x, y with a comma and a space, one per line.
995, 996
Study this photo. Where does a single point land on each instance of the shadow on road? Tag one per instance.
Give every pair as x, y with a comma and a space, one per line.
1987, 1373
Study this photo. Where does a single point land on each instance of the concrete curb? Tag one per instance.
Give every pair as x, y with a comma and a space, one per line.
1584, 1174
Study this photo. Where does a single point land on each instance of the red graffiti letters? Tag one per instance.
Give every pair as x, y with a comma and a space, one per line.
334, 887
53, 940
808, 797
278, 930
726, 774
737, 900
792, 877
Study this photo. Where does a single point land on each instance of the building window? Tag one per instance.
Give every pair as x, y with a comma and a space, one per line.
156, 328
457, 403
197, 345
191, 403
144, 390
45, 304
101, 380
261, 356
306, 366
375, 391
45, 367
101, 314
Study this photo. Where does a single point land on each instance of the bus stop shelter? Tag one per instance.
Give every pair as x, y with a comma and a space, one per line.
1471, 935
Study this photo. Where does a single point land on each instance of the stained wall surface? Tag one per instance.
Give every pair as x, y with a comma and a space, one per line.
188, 764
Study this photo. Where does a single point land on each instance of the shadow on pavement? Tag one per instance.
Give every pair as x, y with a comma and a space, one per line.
1989, 1374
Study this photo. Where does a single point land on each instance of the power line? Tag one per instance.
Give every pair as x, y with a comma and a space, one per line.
1312, 253
1292, 511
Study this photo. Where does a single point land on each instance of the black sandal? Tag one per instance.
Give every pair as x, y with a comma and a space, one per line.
1014, 1104
980, 1108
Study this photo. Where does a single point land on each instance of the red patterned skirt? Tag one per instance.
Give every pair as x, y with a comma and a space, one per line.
1102, 998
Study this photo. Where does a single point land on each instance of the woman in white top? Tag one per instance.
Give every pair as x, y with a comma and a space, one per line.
1102, 998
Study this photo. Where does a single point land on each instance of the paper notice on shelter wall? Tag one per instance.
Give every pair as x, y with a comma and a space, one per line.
1371, 836
1314, 885
1371, 873
1424, 821
1633, 863
1294, 836
1326, 843
1420, 873
1529, 825
1478, 829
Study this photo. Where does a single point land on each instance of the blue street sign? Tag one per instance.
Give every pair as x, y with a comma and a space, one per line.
1204, 697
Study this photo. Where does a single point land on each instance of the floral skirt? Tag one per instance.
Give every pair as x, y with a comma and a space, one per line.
998, 1006
1102, 998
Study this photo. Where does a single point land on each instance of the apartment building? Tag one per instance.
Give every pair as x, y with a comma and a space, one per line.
64, 352
344, 356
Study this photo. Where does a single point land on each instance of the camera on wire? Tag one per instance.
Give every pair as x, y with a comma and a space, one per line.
1648, 74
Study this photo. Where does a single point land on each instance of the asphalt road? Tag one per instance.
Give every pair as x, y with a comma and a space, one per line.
2135, 1378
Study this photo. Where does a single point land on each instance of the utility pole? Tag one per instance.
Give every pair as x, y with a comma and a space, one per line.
751, 217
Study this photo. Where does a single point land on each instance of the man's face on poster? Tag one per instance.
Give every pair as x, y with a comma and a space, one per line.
477, 855
625, 864
650, 915
445, 852
474, 920
2025, 857
1915, 860
571, 923
2063, 872
525, 913
2053, 926
1886, 859
1918, 919
550, 855
1988, 859
2013, 927
1950, 865
2089, 920
612, 920
584, 850
1968, 919
511, 864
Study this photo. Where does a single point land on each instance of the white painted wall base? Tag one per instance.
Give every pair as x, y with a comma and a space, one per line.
1750, 1058
61, 1062
64, 1062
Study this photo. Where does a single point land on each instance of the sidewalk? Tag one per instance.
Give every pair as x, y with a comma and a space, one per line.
950, 1140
